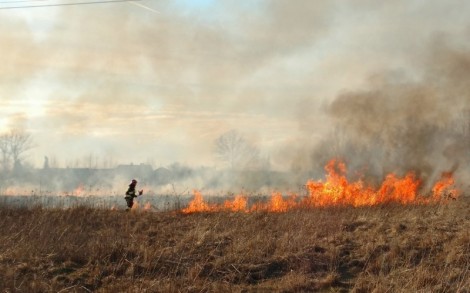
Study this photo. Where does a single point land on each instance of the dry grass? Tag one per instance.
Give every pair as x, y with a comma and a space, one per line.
380, 249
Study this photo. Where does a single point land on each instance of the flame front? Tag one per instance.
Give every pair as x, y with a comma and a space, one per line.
338, 191
197, 204
444, 187
239, 204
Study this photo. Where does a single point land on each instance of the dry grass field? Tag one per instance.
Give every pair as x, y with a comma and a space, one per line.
388, 248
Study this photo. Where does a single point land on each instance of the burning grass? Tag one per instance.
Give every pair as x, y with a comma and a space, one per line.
337, 190
390, 247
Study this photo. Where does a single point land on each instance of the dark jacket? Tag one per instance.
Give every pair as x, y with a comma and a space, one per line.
131, 191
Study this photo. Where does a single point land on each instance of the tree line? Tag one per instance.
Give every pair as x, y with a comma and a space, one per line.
230, 148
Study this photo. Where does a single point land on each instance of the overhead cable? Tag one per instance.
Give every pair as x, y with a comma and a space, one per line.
19, 1
66, 4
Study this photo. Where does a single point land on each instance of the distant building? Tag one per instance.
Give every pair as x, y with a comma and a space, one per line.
162, 176
142, 171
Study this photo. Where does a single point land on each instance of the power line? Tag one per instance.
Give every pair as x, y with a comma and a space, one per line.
66, 4
144, 7
18, 1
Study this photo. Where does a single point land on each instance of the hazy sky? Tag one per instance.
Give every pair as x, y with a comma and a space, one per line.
163, 79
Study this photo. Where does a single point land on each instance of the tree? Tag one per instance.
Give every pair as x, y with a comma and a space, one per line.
13, 147
235, 150
20, 143
5, 152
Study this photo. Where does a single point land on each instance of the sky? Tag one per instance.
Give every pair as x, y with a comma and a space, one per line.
159, 81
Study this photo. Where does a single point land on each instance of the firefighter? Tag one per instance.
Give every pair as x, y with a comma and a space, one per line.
131, 194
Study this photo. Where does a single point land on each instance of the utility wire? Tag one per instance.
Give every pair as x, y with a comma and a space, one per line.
18, 1
143, 6
66, 4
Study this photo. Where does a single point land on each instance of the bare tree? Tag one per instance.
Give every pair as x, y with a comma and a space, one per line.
20, 143
5, 152
234, 149
13, 147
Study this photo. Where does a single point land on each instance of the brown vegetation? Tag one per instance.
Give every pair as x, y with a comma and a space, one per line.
390, 248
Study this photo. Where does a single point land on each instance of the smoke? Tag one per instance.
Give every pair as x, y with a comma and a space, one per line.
128, 76
123, 81
18, 57
402, 124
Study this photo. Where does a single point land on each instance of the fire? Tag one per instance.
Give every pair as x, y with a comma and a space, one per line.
197, 204
135, 206
239, 204
79, 191
444, 187
14, 191
277, 203
400, 190
147, 206
337, 190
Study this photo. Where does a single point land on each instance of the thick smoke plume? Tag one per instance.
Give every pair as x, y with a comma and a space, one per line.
127, 83
401, 124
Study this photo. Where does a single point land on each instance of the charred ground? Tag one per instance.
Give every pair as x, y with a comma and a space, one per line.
383, 248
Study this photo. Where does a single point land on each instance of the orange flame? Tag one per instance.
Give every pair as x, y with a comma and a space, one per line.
197, 204
338, 191
443, 189
135, 206
147, 206
17, 191
79, 191
239, 204
277, 203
